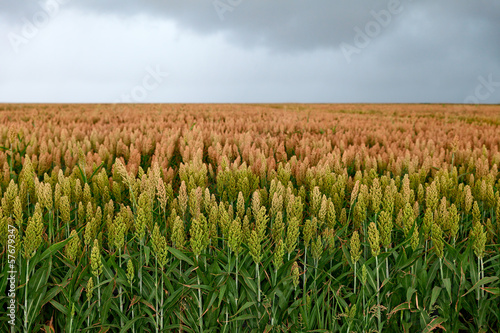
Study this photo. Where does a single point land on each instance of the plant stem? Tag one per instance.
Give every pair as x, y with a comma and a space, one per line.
121, 299
378, 294
354, 278
386, 266
305, 263
237, 280
478, 278
133, 315
200, 304
88, 317
161, 300
140, 268
441, 268
482, 276
26, 297
156, 296
51, 228
258, 289
99, 295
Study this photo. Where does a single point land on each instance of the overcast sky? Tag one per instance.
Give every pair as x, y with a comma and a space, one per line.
439, 51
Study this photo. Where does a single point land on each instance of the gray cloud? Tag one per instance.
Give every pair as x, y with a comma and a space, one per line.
426, 51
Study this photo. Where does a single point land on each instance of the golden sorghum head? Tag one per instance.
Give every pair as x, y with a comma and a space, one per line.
309, 231
408, 219
183, 199
331, 216
427, 222
73, 247
279, 252
437, 240
385, 228
354, 193
364, 274
87, 196
292, 234
255, 247
95, 259
130, 271
479, 240
278, 227
373, 237
255, 203
317, 248
476, 213
359, 214
160, 247
197, 236
178, 233
323, 211
468, 199
81, 212
414, 239
10, 195
388, 200
240, 205
90, 232
295, 274
119, 231
57, 196
376, 196
90, 288
161, 193
261, 221
33, 235
431, 199
64, 209
355, 247
140, 224
89, 212
315, 200
77, 191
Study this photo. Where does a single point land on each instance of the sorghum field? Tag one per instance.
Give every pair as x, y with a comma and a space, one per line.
250, 218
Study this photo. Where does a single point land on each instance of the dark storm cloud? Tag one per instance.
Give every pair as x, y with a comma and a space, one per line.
281, 24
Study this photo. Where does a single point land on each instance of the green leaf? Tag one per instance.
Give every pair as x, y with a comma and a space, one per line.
435, 323
447, 286
435, 294
482, 282
180, 255
147, 252
49, 252
400, 307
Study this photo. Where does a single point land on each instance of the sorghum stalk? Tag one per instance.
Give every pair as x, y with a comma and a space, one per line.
200, 304
130, 278
355, 253
26, 297
96, 266
255, 252
120, 291
373, 237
